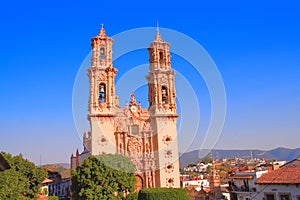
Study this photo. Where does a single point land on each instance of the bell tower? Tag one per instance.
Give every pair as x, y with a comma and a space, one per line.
102, 75
161, 90
162, 110
102, 99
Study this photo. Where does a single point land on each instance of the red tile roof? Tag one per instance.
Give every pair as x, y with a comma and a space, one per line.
47, 180
283, 175
295, 162
50, 170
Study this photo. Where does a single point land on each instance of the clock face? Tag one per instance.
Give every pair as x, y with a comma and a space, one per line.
133, 108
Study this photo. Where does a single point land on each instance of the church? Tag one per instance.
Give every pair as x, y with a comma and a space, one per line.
147, 136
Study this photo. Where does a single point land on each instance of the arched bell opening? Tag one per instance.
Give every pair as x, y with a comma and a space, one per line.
102, 94
164, 94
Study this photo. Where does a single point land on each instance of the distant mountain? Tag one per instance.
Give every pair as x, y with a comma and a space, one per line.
276, 154
65, 165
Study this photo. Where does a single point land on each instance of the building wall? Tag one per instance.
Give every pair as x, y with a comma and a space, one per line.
203, 182
292, 190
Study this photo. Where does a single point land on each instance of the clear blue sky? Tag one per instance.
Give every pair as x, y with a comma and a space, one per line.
255, 44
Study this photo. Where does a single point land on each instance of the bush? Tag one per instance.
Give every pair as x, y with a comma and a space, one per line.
132, 196
163, 194
53, 198
103, 177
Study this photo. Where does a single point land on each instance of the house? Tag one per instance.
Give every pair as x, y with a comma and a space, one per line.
281, 184
57, 185
195, 181
242, 185
44, 188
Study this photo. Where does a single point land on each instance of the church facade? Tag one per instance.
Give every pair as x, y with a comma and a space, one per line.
147, 136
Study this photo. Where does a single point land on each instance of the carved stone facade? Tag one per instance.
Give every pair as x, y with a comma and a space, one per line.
147, 136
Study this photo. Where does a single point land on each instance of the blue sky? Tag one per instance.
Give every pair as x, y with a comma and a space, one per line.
255, 44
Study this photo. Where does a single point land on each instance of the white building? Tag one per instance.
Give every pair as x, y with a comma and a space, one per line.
243, 184
281, 184
199, 181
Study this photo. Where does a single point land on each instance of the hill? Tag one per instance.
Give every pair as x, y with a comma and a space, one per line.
274, 154
65, 172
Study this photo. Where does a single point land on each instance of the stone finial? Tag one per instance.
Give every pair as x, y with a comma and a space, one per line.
132, 101
102, 32
158, 37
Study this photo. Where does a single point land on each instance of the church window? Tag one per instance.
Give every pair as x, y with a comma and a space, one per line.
134, 129
161, 56
101, 93
169, 152
170, 166
171, 180
167, 139
101, 53
164, 94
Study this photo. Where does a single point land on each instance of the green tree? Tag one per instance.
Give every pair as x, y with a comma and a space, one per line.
163, 194
132, 196
207, 160
53, 198
22, 181
103, 177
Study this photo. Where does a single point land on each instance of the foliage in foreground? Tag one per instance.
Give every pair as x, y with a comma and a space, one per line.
103, 177
22, 181
163, 194
132, 196
53, 198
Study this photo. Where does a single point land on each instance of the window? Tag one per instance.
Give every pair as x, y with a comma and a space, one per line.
102, 53
134, 129
161, 56
101, 93
164, 94
285, 196
270, 196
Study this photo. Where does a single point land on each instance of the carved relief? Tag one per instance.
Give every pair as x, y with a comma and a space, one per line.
169, 168
102, 141
163, 80
150, 182
167, 139
170, 182
102, 77
120, 125
134, 146
168, 153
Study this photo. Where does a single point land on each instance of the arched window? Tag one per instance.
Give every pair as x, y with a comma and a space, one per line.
102, 53
101, 93
164, 94
161, 56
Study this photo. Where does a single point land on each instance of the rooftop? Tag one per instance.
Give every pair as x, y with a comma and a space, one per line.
283, 175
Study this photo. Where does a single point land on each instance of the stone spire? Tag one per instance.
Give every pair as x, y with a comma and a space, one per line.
157, 36
132, 101
102, 34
